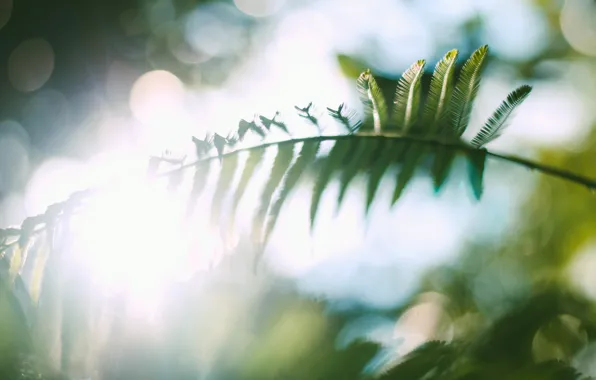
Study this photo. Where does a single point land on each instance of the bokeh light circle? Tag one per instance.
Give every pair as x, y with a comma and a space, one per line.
31, 64
578, 25
157, 97
259, 8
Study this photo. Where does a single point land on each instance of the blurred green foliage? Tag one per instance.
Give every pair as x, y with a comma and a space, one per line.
533, 325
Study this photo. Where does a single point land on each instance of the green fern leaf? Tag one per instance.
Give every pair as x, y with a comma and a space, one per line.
306, 156
224, 182
203, 146
281, 163
498, 121
243, 127
255, 157
431, 357
38, 270
331, 163
198, 185
466, 90
476, 160
220, 143
441, 87
373, 100
345, 117
407, 97
441, 167
412, 156
364, 152
386, 154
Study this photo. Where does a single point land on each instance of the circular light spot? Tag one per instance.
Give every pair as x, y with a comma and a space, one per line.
259, 8
14, 163
578, 24
14, 129
5, 12
46, 114
213, 32
157, 97
30, 64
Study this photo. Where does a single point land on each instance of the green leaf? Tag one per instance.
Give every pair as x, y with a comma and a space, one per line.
202, 146
253, 161
346, 117
364, 151
431, 357
441, 167
224, 182
198, 185
373, 100
219, 142
306, 156
331, 163
385, 156
413, 152
476, 160
243, 127
38, 270
465, 91
407, 97
499, 119
441, 87
281, 163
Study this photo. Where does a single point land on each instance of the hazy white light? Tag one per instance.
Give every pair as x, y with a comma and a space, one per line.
259, 8
54, 181
131, 240
31, 64
578, 24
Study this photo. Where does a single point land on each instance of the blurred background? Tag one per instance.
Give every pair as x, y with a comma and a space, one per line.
90, 89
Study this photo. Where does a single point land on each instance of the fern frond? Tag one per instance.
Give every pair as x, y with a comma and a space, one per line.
282, 161
306, 113
255, 157
412, 155
441, 166
477, 161
224, 181
363, 152
432, 357
345, 117
466, 90
202, 170
441, 88
499, 119
306, 156
386, 154
373, 100
331, 163
407, 97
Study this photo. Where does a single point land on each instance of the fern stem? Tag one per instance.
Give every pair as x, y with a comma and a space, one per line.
42, 219
455, 145
548, 170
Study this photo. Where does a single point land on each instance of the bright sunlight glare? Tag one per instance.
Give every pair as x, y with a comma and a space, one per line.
133, 242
